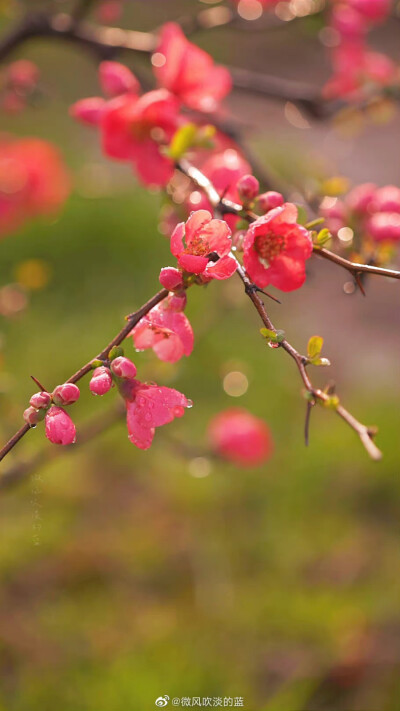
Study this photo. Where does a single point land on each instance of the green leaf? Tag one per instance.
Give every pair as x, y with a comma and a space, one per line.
275, 336
182, 140
314, 347
116, 352
320, 361
323, 236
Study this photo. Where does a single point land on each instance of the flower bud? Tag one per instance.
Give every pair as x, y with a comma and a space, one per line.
177, 302
40, 400
116, 79
248, 188
267, 201
33, 416
170, 278
66, 394
101, 381
88, 111
23, 74
123, 368
59, 427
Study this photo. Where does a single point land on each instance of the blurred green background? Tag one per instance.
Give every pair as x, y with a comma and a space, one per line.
279, 584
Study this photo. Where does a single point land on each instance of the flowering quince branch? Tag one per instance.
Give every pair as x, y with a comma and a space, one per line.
314, 395
132, 320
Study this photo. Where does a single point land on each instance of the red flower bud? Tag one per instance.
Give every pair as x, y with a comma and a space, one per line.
248, 188
267, 201
66, 394
101, 381
59, 427
170, 278
40, 400
33, 416
123, 368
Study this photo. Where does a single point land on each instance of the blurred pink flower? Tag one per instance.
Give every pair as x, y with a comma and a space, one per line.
188, 71
240, 437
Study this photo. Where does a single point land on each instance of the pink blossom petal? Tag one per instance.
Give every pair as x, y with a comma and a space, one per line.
223, 269
192, 264
177, 239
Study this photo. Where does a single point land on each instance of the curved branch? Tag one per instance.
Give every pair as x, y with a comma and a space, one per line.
132, 320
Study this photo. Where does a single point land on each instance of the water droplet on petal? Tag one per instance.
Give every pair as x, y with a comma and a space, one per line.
178, 411
189, 404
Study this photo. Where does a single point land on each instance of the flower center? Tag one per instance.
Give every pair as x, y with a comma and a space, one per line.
269, 245
199, 247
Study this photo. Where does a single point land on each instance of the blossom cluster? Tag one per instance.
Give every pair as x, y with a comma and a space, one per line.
372, 213
33, 181
356, 68
138, 128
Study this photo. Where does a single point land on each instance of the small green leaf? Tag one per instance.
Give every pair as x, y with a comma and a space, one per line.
115, 352
274, 336
323, 236
96, 363
182, 140
302, 217
314, 346
320, 361
332, 402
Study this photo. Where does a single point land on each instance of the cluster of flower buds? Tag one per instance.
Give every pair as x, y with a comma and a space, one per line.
59, 426
370, 212
148, 405
357, 69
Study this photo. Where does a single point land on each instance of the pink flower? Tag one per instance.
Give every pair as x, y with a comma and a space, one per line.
224, 169
360, 198
372, 10
66, 394
123, 368
101, 381
386, 199
384, 226
240, 437
204, 237
136, 129
89, 111
23, 74
116, 79
166, 331
188, 71
276, 248
150, 406
33, 181
59, 427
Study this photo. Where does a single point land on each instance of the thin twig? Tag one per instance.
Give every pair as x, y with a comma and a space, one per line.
121, 335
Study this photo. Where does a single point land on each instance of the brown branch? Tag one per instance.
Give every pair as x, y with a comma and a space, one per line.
365, 433
133, 319
88, 431
354, 267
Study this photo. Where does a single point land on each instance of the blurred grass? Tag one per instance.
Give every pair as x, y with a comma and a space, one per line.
148, 581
